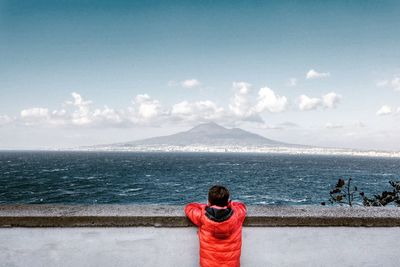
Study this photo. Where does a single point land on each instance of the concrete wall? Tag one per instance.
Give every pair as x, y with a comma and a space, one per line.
175, 247
61, 235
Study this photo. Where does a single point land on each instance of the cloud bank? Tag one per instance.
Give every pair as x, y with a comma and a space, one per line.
245, 105
328, 101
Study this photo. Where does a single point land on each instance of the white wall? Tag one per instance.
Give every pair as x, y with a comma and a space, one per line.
175, 247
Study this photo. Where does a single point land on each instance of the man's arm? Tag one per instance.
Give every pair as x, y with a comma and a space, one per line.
194, 211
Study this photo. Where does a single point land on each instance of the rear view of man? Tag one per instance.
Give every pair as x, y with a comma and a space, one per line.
220, 228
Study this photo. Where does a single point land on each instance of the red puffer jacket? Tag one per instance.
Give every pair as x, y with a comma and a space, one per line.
220, 233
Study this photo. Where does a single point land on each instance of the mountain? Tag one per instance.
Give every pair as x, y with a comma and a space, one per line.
209, 134
211, 137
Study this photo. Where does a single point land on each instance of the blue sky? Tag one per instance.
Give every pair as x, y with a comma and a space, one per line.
89, 72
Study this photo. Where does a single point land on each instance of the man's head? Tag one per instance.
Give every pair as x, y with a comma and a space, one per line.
218, 195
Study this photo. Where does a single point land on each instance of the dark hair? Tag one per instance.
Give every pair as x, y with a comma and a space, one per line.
218, 195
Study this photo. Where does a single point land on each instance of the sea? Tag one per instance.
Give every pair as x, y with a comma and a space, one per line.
36, 177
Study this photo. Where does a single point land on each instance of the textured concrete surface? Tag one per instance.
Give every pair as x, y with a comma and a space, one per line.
173, 216
173, 247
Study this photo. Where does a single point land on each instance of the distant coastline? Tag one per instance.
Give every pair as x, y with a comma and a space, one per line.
243, 149
240, 150
214, 138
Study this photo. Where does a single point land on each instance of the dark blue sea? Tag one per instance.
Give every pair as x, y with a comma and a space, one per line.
178, 178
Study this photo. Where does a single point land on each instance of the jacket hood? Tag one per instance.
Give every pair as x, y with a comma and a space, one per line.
218, 214
222, 227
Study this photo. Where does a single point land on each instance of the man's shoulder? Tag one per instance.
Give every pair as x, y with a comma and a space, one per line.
194, 205
237, 204
239, 208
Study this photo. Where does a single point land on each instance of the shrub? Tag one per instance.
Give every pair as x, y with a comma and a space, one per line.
344, 193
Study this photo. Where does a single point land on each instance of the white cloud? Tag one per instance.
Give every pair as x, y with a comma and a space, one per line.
58, 118
82, 114
313, 74
78, 100
146, 107
292, 82
35, 113
76, 113
241, 108
384, 110
308, 103
268, 100
183, 108
197, 111
59, 113
244, 106
331, 100
394, 83
108, 115
242, 87
191, 83
240, 105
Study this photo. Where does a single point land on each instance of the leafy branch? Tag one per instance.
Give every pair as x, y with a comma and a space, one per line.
344, 193
385, 198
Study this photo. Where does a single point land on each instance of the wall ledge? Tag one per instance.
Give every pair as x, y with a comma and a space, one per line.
54, 215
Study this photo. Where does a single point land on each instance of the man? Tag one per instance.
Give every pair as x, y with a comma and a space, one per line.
220, 228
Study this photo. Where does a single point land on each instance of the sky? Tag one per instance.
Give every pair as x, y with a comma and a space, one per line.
323, 73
